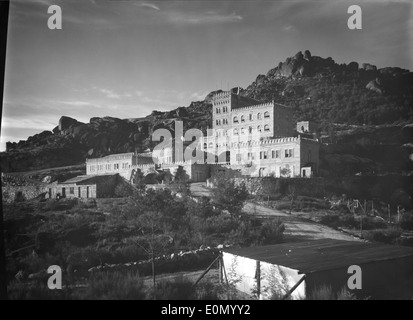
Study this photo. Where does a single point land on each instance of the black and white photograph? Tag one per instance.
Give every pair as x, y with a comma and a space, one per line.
215, 151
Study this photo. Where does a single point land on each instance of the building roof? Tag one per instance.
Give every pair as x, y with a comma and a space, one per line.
326, 254
87, 179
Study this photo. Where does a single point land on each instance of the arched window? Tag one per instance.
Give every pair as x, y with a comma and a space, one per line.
235, 120
235, 131
266, 114
259, 116
242, 118
266, 127
250, 130
259, 128
242, 131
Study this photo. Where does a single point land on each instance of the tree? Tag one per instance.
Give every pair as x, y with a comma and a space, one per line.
229, 196
157, 239
292, 196
160, 218
285, 172
269, 187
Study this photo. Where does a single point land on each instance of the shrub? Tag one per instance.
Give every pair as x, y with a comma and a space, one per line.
178, 289
123, 190
271, 232
406, 221
36, 290
114, 286
325, 292
388, 236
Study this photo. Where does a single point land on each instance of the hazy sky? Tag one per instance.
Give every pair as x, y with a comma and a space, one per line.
127, 58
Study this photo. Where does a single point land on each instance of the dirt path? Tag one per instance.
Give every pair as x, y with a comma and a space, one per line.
297, 228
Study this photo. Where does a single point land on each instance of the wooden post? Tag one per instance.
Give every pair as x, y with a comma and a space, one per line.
220, 266
388, 210
398, 216
258, 277
293, 288
206, 271
361, 224
372, 206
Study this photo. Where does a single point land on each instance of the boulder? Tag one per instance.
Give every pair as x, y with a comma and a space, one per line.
66, 122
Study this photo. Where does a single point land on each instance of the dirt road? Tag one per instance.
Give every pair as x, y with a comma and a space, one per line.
297, 228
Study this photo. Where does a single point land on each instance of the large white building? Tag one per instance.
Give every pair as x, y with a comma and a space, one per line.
258, 139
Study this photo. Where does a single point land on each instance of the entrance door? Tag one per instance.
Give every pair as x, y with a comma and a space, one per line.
87, 192
79, 192
63, 192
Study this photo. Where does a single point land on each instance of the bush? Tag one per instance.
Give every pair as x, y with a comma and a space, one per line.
123, 190
37, 290
114, 286
406, 221
177, 289
326, 293
388, 236
271, 232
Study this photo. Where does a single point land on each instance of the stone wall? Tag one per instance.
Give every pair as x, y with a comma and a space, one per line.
28, 192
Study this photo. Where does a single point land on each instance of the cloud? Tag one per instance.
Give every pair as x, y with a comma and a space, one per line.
112, 94
149, 5
210, 17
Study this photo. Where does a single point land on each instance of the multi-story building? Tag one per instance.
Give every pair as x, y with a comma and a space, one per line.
258, 138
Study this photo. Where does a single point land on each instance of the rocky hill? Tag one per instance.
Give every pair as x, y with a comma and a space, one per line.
363, 111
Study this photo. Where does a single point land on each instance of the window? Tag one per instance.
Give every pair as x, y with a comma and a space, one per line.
277, 153
251, 117
288, 153
116, 166
235, 131
251, 156
250, 130
238, 157
242, 118
263, 155
211, 144
72, 190
259, 116
266, 114
218, 110
205, 145
242, 131
259, 128
235, 119
266, 127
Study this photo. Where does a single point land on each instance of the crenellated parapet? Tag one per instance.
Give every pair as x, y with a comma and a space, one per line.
255, 106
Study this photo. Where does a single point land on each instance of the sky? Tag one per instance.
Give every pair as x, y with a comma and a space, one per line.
127, 58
